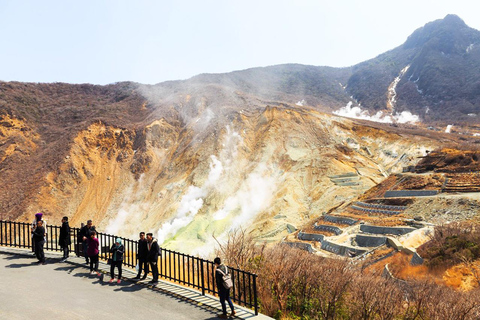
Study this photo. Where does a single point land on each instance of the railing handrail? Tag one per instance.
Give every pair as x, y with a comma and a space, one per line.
179, 267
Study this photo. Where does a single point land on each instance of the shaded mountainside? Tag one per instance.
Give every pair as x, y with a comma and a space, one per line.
442, 80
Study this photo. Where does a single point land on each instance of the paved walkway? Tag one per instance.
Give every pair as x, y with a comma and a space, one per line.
67, 291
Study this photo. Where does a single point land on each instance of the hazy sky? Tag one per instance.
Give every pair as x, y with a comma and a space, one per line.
152, 41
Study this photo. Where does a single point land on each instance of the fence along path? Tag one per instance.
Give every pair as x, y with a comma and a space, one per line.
174, 266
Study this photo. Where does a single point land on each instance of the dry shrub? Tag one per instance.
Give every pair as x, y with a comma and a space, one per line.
293, 284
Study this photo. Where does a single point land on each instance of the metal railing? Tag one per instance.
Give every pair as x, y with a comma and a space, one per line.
174, 266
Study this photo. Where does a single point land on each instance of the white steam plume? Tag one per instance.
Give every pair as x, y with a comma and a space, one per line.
190, 204
357, 113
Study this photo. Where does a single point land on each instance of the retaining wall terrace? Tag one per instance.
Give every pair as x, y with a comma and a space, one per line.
410, 193
416, 259
369, 241
302, 245
325, 227
340, 220
375, 210
341, 249
380, 206
310, 236
386, 230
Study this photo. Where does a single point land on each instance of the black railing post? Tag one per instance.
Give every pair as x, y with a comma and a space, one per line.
202, 277
255, 294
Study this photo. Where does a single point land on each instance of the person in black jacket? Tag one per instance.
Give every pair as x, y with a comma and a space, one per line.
223, 293
39, 239
64, 238
142, 254
152, 256
117, 260
84, 235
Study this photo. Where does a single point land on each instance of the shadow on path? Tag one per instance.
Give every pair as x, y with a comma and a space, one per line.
22, 265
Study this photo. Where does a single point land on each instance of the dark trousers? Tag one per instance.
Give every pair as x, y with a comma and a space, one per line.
142, 264
154, 267
85, 247
39, 250
94, 263
117, 264
65, 251
224, 294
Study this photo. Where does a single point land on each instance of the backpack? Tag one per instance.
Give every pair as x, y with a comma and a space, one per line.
226, 279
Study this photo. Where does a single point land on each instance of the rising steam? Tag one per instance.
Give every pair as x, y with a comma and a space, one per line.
356, 112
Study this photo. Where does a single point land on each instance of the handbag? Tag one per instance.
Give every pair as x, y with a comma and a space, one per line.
109, 261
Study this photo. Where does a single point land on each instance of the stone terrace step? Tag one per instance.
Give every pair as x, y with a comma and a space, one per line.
380, 206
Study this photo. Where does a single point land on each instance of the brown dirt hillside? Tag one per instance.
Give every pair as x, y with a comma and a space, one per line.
180, 164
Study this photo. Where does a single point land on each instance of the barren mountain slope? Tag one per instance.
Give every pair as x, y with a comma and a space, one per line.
259, 169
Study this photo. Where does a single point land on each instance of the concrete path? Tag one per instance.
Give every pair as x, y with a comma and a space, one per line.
67, 291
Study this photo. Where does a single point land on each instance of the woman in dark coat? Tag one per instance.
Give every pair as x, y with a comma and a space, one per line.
117, 260
64, 238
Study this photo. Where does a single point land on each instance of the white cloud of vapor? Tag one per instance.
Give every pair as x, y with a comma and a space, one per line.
356, 112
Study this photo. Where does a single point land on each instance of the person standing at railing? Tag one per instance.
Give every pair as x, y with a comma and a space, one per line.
85, 233
64, 238
39, 239
38, 217
152, 257
117, 251
224, 283
92, 252
142, 254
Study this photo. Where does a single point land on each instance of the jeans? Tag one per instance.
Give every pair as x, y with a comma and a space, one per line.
224, 294
117, 264
94, 263
39, 250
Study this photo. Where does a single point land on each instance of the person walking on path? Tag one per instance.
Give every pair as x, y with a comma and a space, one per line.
117, 260
64, 238
152, 256
85, 232
142, 254
39, 239
92, 252
38, 217
223, 292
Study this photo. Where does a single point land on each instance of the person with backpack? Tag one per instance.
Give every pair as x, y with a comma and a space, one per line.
224, 284
152, 256
117, 260
142, 254
64, 238
38, 235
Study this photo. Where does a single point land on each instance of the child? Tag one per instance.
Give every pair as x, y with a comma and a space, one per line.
92, 253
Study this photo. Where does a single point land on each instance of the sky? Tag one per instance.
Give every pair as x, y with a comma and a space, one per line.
148, 41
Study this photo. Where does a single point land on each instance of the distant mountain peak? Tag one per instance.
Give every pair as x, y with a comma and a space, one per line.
453, 19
